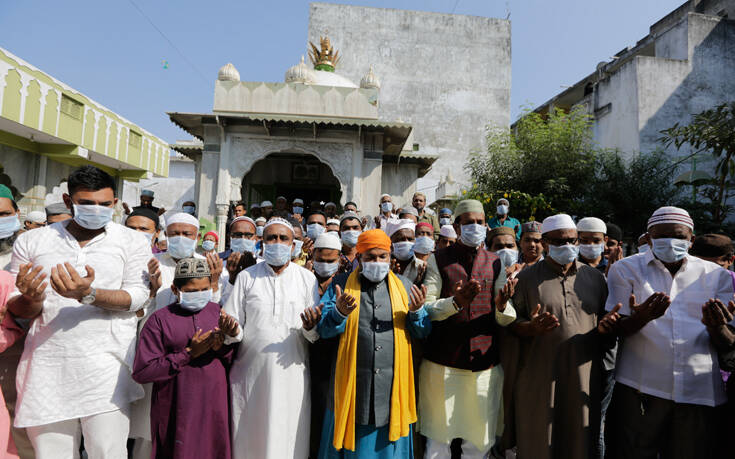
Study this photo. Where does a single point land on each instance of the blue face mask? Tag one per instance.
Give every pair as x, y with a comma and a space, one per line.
181, 247
8, 226
591, 251
509, 257
324, 269
644, 248
242, 245
386, 206
92, 217
670, 250
445, 221
564, 254
189, 209
297, 245
208, 246
502, 210
349, 237
314, 230
259, 230
423, 245
298, 210
375, 271
277, 254
473, 234
195, 301
403, 250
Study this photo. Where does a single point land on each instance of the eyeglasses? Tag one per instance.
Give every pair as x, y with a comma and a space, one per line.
560, 242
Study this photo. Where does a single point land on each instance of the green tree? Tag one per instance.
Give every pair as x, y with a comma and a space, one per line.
714, 131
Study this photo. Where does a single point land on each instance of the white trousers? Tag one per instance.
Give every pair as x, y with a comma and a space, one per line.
105, 437
438, 450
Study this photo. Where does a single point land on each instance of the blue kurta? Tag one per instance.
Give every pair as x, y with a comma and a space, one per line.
374, 370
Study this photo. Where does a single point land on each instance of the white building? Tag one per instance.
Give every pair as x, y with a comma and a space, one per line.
317, 136
685, 65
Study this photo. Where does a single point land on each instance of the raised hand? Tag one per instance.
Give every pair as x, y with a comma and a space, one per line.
161, 211
505, 293
346, 303
609, 322
308, 247
30, 282
715, 314
227, 324
200, 343
126, 208
616, 254
154, 275
420, 274
465, 292
311, 316
654, 307
542, 322
417, 297
377, 221
233, 265
218, 340
68, 283
215, 269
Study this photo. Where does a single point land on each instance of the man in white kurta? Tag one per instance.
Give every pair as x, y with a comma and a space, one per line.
269, 377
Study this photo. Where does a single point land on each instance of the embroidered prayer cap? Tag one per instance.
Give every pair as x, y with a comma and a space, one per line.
255, 205
330, 204
671, 214
614, 231
392, 226
332, 221
148, 193
36, 216
557, 222
469, 205
278, 221
448, 231
445, 211
349, 214
266, 204
592, 225
373, 239
531, 227
426, 224
260, 220
182, 217
6, 193
410, 210
298, 201
191, 268
500, 230
328, 241
711, 246
58, 208
213, 234
244, 218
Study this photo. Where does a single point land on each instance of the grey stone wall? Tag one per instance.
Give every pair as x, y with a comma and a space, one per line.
448, 75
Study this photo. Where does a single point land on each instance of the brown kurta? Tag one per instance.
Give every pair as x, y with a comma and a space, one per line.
557, 396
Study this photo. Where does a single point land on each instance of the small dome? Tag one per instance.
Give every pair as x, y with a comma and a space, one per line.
228, 73
325, 78
370, 81
300, 73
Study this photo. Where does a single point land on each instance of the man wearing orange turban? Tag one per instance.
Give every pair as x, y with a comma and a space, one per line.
371, 407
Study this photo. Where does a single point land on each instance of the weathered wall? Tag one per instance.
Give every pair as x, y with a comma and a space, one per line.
448, 75
35, 176
399, 182
617, 126
170, 192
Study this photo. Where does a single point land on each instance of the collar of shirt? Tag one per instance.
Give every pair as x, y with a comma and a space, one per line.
557, 268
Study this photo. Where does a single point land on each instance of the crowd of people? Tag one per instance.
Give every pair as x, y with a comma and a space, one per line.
323, 332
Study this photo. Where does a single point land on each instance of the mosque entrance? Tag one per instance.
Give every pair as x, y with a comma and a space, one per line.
293, 175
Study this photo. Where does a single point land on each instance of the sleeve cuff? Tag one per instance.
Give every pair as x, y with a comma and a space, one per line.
507, 316
181, 358
440, 309
234, 339
311, 335
418, 314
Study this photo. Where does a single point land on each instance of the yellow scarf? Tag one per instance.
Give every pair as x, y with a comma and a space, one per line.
403, 399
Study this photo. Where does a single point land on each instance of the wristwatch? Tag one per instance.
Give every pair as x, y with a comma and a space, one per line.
89, 299
456, 305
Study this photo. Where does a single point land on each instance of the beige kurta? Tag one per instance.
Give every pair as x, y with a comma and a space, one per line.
556, 396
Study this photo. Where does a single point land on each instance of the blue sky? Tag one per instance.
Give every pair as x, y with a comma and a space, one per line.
110, 52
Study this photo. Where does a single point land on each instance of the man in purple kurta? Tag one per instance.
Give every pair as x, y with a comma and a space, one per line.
181, 352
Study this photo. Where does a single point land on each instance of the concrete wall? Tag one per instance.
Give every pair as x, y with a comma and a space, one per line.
448, 75
399, 182
617, 126
170, 192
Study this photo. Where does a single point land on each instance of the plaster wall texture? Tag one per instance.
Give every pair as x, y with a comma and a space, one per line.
618, 127
169, 192
447, 75
399, 182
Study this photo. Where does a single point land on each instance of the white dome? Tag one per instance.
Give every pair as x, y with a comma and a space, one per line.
300, 73
370, 81
228, 73
324, 78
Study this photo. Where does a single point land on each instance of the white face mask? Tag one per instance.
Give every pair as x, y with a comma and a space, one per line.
375, 271
509, 257
324, 269
195, 301
181, 247
403, 250
386, 206
591, 251
670, 250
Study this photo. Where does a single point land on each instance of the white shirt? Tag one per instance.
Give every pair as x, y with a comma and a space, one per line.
670, 357
78, 358
269, 377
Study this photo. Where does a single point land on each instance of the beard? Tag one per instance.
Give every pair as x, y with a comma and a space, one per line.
6, 245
